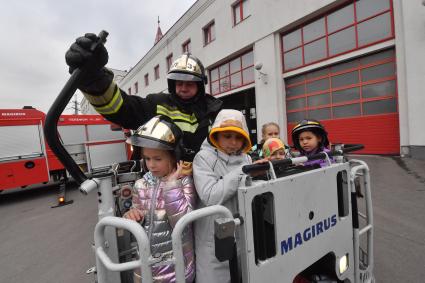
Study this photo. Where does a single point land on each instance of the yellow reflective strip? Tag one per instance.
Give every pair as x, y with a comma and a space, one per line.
113, 107
162, 112
186, 127
175, 114
172, 111
102, 99
110, 111
169, 111
117, 95
177, 117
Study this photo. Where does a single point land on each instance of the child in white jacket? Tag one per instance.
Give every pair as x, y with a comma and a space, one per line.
217, 172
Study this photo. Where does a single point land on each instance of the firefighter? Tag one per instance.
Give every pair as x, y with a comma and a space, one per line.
187, 104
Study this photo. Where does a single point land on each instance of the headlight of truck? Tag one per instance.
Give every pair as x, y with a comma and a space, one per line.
343, 264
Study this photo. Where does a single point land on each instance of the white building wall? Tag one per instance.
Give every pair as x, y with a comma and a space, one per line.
261, 32
410, 42
267, 17
270, 103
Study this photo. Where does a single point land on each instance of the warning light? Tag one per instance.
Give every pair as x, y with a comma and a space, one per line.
126, 192
61, 201
343, 264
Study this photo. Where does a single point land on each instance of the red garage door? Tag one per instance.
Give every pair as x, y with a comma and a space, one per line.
356, 101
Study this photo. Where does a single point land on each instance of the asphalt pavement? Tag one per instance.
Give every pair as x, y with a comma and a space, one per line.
40, 244
398, 193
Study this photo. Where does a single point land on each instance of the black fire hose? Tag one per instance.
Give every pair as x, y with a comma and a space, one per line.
52, 118
291, 161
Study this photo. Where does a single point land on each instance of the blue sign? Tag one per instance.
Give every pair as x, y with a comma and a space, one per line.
309, 233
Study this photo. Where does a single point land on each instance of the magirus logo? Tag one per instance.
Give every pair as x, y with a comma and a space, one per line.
309, 233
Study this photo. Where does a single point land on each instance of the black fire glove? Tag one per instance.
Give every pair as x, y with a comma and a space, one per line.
97, 78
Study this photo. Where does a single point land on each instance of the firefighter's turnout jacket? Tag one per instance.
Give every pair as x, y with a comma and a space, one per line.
193, 117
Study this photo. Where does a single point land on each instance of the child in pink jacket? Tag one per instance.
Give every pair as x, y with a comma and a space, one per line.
162, 196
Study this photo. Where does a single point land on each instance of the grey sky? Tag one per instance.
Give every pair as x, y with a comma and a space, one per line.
36, 34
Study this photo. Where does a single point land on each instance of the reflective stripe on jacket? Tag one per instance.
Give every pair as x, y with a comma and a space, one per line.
194, 118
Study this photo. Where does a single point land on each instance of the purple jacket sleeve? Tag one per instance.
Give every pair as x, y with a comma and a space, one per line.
179, 198
320, 162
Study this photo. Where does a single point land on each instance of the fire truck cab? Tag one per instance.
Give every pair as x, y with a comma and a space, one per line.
26, 159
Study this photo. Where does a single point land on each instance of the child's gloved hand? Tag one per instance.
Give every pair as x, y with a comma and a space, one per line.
134, 214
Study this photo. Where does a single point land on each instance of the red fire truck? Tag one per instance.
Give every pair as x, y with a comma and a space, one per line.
26, 159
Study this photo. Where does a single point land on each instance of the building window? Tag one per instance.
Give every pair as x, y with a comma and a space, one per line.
356, 25
209, 33
129, 91
233, 74
136, 87
241, 11
186, 46
169, 61
360, 87
146, 79
156, 72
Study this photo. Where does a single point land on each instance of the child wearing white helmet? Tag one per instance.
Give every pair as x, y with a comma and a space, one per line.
163, 195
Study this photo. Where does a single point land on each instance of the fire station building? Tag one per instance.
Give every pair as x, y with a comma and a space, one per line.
358, 66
